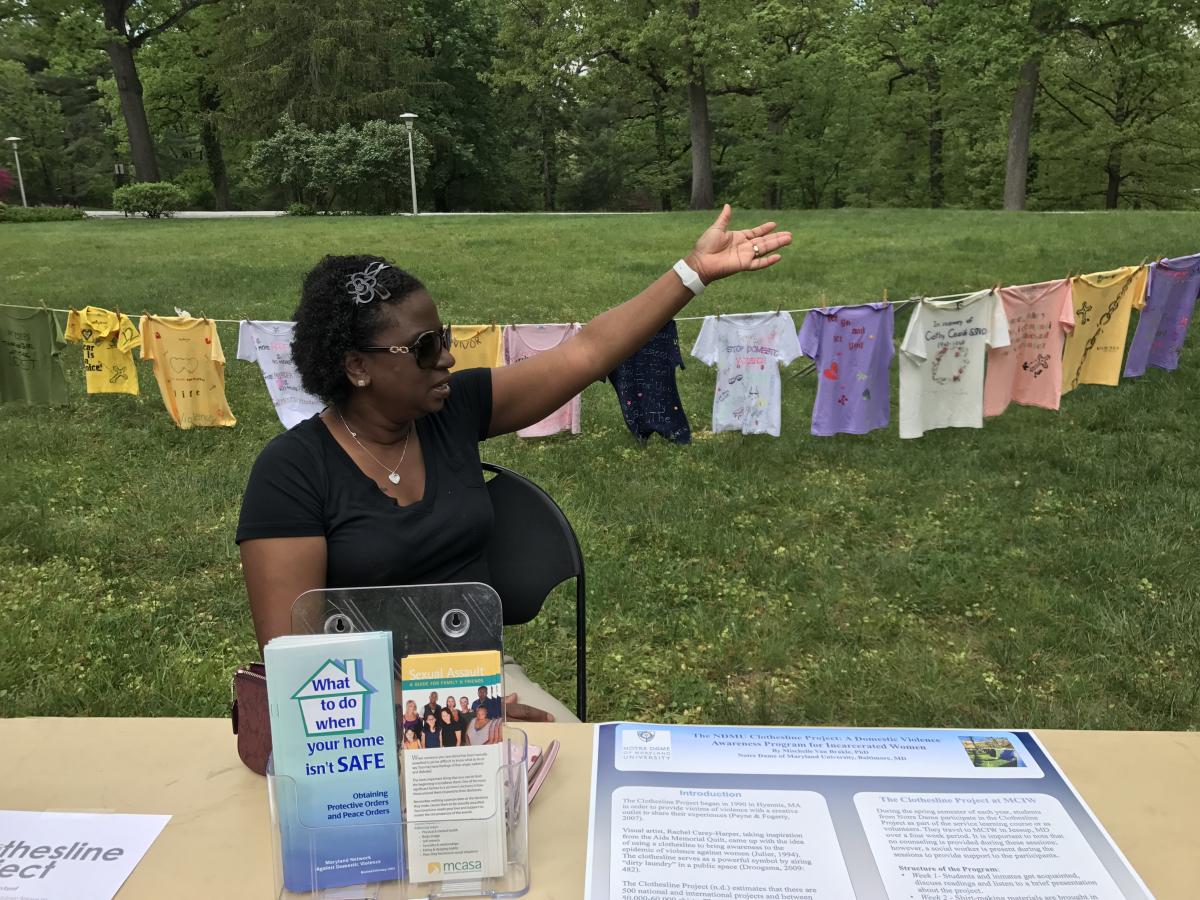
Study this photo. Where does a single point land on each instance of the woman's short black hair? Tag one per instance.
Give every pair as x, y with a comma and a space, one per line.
330, 323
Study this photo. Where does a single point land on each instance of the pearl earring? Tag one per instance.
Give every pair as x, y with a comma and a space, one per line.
361, 383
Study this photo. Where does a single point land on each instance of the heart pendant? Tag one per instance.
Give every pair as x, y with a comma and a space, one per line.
394, 478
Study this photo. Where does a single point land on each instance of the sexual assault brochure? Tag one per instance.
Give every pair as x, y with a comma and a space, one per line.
453, 758
337, 781
841, 814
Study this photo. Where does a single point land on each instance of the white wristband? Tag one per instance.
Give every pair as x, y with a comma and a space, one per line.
689, 278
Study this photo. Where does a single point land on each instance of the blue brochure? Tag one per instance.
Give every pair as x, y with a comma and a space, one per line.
333, 733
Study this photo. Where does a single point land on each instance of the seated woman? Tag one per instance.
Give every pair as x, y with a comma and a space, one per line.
384, 486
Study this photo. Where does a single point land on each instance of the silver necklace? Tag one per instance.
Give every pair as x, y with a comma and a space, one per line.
394, 473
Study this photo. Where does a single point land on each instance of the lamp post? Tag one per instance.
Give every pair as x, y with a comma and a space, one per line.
412, 166
21, 181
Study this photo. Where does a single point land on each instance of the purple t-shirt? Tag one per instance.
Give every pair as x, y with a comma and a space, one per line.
852, 347
1163, 323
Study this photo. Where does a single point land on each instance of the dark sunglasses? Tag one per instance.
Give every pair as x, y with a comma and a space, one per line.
426, 349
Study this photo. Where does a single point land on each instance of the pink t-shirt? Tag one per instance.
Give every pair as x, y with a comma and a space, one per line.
1029, 370
524, 341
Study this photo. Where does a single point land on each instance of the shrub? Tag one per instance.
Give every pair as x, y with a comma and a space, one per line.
154, 198
301, 209
39, 214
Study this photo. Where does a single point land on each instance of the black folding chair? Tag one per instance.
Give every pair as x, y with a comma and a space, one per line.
532, 551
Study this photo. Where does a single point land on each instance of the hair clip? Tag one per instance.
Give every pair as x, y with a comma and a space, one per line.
363, 287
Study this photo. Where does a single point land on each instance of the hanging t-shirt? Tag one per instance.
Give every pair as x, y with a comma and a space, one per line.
1103, 303
748, 351
942, 358
646, 389
270, 345
852, 347
1162, 325
108, 339
189, 367
476, 347
1029, 370
31, 369
524, 341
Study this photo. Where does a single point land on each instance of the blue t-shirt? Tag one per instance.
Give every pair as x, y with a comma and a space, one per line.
645, 386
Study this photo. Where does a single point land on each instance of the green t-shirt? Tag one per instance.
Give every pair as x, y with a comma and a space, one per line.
31, 370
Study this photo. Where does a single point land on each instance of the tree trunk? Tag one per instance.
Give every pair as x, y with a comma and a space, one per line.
776, 118
1113, 167
129, 90
937, 180
549, 166
210, 142
660, 151
701, 131
1020, 125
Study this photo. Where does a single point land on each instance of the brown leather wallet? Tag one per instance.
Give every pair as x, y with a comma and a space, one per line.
251, 718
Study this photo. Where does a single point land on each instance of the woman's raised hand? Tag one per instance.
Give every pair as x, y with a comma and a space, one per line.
720, 252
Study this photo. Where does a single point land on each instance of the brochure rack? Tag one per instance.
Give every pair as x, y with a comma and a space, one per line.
514, 882
441, 618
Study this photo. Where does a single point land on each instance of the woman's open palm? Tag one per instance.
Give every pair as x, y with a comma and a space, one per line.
720, 252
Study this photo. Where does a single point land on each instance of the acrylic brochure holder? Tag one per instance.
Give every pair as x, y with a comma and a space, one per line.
441, 618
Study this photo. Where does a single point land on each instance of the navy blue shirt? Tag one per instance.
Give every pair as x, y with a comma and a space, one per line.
645, 386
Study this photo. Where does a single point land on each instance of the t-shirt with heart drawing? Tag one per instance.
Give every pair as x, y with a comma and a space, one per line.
852, 347
941, 361
189, 367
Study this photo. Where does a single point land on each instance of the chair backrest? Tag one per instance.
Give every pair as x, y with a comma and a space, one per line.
533, 547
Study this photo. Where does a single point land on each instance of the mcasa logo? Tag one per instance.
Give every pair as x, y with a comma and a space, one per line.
449, 868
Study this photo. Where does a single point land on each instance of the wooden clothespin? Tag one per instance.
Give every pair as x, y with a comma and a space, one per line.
885, 296
779, 308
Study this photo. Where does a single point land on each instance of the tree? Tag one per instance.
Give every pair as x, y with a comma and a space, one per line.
122, 41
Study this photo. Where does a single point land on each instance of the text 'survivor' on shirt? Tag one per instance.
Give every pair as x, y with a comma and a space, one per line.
189, 366
1103, 304
942, 360
748, 351
476, 347
852, 347
270, 345
1029, 370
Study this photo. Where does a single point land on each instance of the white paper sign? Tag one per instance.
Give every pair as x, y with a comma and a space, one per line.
71, 856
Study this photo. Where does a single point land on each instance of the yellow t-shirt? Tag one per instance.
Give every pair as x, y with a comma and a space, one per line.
1103, 303
108, 339
189, 367
476, 347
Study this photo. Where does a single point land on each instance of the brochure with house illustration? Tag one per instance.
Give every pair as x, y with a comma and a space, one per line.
453, 783
842, 814
337, 782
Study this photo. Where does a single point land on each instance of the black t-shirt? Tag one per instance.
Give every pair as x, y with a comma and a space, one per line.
304, 484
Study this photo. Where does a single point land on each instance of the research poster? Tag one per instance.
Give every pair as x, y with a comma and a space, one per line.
841, 814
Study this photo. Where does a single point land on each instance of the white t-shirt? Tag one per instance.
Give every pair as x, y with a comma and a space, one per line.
747, 351
942, 358
270, 345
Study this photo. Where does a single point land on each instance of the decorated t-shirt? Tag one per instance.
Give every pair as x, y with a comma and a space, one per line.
852, 347
748, 351
1029, 370
476, 346
524, 341
1103, 304
270, 345
646, 389
31, 369
189, 367
108, 339
942, 360
1162, 325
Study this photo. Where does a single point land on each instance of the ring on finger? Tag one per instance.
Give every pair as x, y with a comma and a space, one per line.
757, 251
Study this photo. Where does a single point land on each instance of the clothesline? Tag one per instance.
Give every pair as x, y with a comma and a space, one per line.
895, 303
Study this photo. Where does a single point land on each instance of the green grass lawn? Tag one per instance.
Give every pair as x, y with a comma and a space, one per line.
1041, 572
